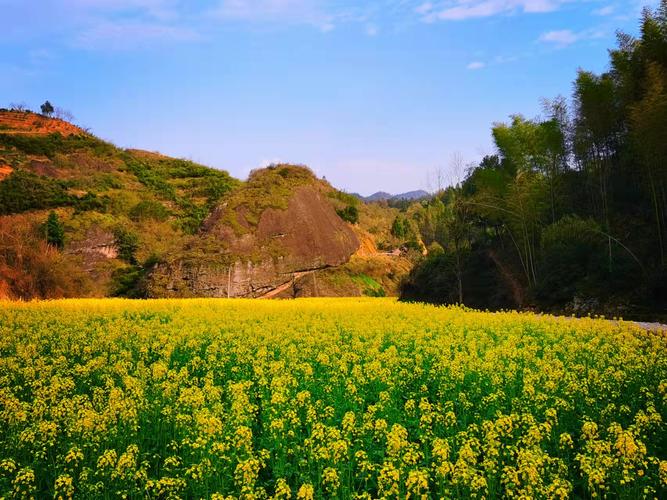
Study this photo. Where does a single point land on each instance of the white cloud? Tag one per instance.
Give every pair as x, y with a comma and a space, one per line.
310, 12
475, 65
564, 38
130, 35
561, 38
458, 10
424, 8
158, 9
605, 11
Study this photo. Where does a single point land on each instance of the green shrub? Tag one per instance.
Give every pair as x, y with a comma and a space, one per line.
51, 144
149, 210
349, 214
23, 191
150, 177
128, 243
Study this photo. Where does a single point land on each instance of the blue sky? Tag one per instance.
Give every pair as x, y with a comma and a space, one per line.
373, 95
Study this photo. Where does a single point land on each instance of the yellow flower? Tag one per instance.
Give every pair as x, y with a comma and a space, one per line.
330, 480
283, 491
306, 492
64, 487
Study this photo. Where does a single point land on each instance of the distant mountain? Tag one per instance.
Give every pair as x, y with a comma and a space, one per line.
379, 196
412, 195
384, 196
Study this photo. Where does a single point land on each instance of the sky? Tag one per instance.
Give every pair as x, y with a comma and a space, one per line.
373, 95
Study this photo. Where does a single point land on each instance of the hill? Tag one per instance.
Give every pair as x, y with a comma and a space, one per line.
137, 223
384, 196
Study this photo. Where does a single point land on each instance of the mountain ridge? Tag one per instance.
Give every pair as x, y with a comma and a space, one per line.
384, 196
140, 224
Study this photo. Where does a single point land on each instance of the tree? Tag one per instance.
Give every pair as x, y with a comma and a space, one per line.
596, 135
47, 108
398, 227
127, 243
55, 232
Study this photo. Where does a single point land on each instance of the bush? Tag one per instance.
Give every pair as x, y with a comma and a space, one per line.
400, 228
572, 261
349, 214
128, 243
149, 210
52, 144
30, 268
24, 190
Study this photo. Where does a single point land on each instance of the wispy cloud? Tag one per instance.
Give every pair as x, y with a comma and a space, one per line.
565, 38
310, 12
560, 37
131, 35
475, 65
157, 9
605, 11
458, 10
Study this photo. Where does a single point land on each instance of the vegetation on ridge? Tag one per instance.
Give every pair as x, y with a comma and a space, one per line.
571, 214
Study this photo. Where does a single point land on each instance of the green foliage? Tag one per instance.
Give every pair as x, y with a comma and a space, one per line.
90, 201
128, 243
350, 214
192, 217
571, 206
182, 182
152, 178
47, 108
400, 227
271, 187
23, 191
346, 198
371, 288
54, 231
130, 281
149, 210
52, 144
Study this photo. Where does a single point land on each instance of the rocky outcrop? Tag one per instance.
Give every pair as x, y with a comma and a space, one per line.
98, 245
284, 245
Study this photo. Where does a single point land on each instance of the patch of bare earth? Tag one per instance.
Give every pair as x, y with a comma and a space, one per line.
5, 171
20, 122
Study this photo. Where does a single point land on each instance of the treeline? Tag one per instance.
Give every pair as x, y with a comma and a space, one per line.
570, 214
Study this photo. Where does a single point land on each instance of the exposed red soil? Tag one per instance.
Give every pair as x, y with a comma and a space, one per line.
367, 246
5, 170
19, 122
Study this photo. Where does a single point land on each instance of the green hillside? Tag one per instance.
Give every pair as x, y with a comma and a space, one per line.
115, 214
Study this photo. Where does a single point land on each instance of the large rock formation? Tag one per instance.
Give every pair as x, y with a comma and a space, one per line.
265, 247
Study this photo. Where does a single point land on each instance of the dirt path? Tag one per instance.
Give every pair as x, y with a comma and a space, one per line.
284, 286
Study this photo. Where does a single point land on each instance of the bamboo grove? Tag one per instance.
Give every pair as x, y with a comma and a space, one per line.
572, 210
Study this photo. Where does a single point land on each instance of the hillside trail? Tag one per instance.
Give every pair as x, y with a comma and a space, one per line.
284, 286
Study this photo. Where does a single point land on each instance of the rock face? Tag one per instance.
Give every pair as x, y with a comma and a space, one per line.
98, 245
284, 245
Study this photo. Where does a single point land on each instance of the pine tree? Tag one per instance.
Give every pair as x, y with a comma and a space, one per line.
55, 232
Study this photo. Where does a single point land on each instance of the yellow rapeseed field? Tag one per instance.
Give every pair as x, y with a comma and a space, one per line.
325, 398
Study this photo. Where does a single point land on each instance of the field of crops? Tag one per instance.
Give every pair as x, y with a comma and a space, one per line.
325, 398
